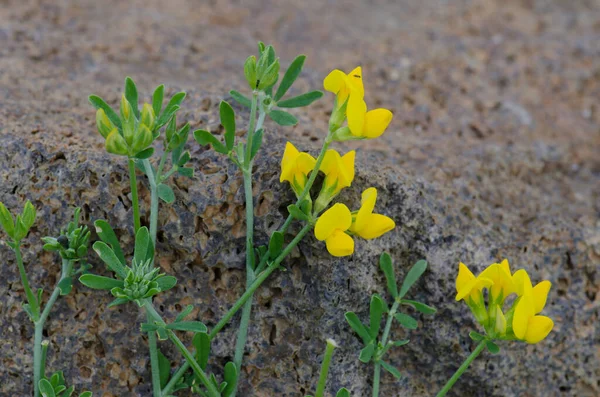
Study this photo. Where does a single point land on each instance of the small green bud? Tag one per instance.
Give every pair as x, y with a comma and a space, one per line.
263, 63
126, 111
270, 76
7, 221
28, 215
147, 117
143, 139
116, 144
103, 123
250, 71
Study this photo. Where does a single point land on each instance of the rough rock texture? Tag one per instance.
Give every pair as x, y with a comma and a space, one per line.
493, 153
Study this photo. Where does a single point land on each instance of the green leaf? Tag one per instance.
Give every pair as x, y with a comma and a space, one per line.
296, 212
228, 121
367, 353
492, 347
375, 314
392, 370
107, 234
99, 103
343, 392
185, 157
132, 96
184, 313
46, 388
402, 342
145, 154
182, 137
185, 171
162, 334
165, 283
300, 100
241, 99
164, 369
204, 137
413, 275
201, 342
86, 394
144, 250
385, 263
7, 221
358, 327
275, 244
28, 216
157, 99
193, 326
147, 327
230, 376
65, 285
172, 107
406, 321
166, 193
423, 308
100, 282
283, 118
109, 257
291, 74
476, 336
256, 143
118, 301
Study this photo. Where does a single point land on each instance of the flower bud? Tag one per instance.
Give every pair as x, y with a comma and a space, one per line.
147, 117
270, 76
263, 63
103, 123
116, 144
126, 110
143, 138
250, 71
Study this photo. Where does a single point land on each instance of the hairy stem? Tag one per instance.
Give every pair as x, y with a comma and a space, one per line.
462, 368
134, 196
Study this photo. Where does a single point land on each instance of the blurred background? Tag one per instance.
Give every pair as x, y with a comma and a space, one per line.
496, 121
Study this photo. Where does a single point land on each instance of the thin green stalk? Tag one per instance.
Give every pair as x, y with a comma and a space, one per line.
376, 377
462, 368
134, 196
154, 366
45, 345
325, 368
38, 355
175, 378
153, 200
31, 299
250, 133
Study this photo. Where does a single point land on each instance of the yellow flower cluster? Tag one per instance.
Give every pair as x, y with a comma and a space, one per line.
522, 321
338, 224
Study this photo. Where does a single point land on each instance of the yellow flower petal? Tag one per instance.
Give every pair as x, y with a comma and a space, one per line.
375, 122
505, 266
334, 81
288, 160
522, 282
377, 225
340, 244
356, 113
503, 281
464, 276
523, 313
347, 174
356, 81
338, 217
540, 295
539, 327
368, 199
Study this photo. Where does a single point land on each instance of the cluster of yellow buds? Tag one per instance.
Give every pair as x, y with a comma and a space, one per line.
338, 224
522, 321
135, 135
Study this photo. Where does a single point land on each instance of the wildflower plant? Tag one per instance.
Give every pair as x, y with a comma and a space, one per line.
72, 246
376, 346
152, 143
520, 322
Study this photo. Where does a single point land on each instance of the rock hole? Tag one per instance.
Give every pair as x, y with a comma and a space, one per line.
273, 335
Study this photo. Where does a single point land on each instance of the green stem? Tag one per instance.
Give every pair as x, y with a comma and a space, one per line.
325, 368
153, 199
38, 354
462, 368
45, 345
175, 378
376, 377
134, 196
250, 133
31, 299
154, 364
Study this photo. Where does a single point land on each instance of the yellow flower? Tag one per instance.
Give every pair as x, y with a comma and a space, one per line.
527, 325
503, 284
338, 170
363, 123
331, 228
295, 167
470, 288
366, 224
343, 85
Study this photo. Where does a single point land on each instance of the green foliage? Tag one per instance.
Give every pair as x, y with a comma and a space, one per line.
55, 386
17, 229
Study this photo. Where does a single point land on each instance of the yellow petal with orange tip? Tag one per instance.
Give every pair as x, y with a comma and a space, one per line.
376, 121
340, 244
540, 295
538, 329
356, 113
338, 217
